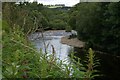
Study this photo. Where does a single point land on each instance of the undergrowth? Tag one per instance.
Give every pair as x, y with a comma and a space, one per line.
21, 60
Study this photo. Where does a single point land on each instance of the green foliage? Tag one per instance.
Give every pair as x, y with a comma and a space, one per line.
68, 29
27, 15
4, 26
58, 24
98, 25
88, 20
92, 63
73, 18
57, 19
86, 70
21, 60
32, 16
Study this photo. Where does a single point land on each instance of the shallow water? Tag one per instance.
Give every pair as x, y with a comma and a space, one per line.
52, 38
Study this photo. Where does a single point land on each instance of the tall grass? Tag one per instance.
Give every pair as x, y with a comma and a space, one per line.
21, 60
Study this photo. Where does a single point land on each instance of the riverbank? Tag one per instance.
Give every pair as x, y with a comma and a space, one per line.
72, 42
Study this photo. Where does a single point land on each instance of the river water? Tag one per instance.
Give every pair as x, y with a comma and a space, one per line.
52, 38
108, 64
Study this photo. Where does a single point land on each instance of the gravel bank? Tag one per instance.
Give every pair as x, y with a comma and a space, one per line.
72, 42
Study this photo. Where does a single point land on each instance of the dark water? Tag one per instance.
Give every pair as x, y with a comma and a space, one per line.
109, 66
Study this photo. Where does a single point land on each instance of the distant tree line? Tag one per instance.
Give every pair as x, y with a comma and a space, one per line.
33, 16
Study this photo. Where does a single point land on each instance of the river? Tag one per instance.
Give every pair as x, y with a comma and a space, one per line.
108, 64
52, 38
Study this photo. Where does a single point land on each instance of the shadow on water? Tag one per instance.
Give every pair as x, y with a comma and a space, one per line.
109, 65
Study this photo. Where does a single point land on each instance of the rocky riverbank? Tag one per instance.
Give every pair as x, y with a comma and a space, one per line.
72, 42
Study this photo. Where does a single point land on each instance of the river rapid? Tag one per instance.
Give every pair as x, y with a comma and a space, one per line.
51, 38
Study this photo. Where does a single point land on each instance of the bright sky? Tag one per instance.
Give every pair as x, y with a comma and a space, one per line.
66, 2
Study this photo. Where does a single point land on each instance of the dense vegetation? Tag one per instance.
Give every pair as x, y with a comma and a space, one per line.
34, 16
21, 60
57, 18
98, 24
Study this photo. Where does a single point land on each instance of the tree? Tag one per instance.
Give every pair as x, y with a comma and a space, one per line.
98, 25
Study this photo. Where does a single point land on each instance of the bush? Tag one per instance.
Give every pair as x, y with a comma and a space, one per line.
68, 29
58, 24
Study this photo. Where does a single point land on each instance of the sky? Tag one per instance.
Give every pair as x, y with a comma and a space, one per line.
66, 2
